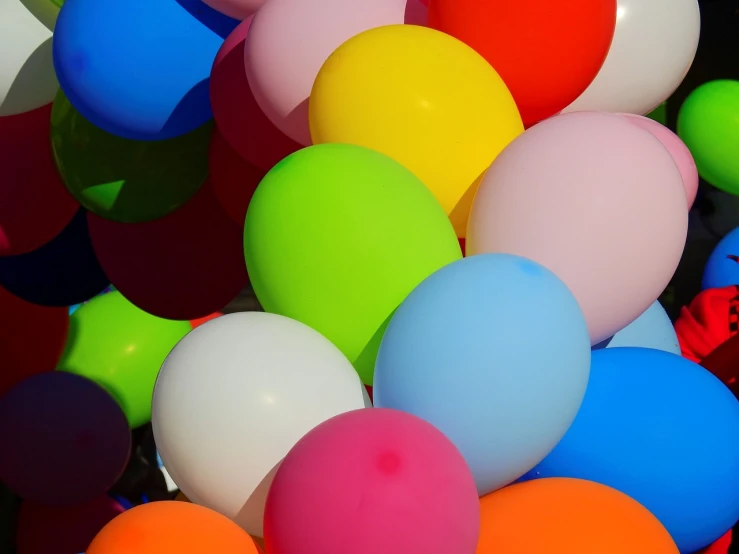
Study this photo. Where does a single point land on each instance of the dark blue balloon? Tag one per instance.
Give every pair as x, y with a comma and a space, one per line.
63, 272
722, 268
664, 431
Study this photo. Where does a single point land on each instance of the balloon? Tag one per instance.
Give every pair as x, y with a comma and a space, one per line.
680, 153
198, 322
46, 11
238, 9
653, 47
722, 268
375, 91
171, 527
126, 180
336, 236
708, 124
486, 364
652, 329
34, 205
27, 79
63, 529
65, 440
659, 114
598, 172
32, 339
662, 430
373, 481
222, 432
721, 546
155, 86
183, 266
568, 516
547, 53
234, 180
64, 271
8, 515
121, 348
288, 43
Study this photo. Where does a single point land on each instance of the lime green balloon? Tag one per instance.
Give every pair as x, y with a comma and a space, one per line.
708, 123
337, 236
120, 347
659, 114
126, 180
46, 11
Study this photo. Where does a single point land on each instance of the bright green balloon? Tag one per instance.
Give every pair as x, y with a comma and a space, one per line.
120, 347
126, 180
337, 236
708, 123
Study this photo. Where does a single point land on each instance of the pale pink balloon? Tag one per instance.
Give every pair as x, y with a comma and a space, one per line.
597, 200
680, 153
290, 39
238, 9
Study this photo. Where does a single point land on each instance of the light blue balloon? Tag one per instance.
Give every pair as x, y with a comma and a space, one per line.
494, 351
652, 329
662, 430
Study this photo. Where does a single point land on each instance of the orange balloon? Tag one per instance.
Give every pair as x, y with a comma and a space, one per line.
177, 527
568, 516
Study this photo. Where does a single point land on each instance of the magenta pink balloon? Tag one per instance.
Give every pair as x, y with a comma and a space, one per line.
238, 9
676, 147
370, 481
595, 199
290, 39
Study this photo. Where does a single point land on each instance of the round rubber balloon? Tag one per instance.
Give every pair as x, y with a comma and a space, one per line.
121, 348
65, 440
676, 147
722, 268
288, 43
171, 526
375, 91
198, 322
662, 430
27, 79
593, 171
222, 432
708, 124
568, 516
652, 329
32, 339
46, 11
9, 505
63, 529
653, 47
373, 481
721, 546
336, 236
168, 45
547, 53
486, 364
34, 205
126, 180
238, 9
63, 272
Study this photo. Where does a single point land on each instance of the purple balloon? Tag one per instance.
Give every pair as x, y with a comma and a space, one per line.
64, 439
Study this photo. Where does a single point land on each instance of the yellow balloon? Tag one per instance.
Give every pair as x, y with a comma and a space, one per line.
423, 98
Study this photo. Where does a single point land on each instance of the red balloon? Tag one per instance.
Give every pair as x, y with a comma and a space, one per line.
234, 179
34, 204
721, 546
32, 339
184, 266
198, 322
546, 52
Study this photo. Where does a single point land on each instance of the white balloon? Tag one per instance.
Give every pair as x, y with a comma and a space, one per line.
27, 78
653, 47
234, 396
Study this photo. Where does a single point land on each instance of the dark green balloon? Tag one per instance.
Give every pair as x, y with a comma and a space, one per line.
126, 180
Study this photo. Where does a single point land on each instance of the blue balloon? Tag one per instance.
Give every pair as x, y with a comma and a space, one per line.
664, 431
722, 268
494, 351
652, 329
63, 272
139, 69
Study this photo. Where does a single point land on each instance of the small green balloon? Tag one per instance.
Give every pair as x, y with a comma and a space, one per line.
708, 123
120, 347
336, 236
659, 114
126, 180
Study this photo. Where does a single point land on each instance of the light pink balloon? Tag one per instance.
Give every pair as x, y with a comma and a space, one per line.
238, 9
676, 147
597, 200
290, 39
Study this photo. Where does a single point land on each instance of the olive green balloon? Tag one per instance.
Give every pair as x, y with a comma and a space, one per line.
659, 114
708, 123
120, 347
126, 180
336, 236
46, 11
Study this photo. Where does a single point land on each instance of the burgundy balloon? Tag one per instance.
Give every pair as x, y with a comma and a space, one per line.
64, 439
184, 266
